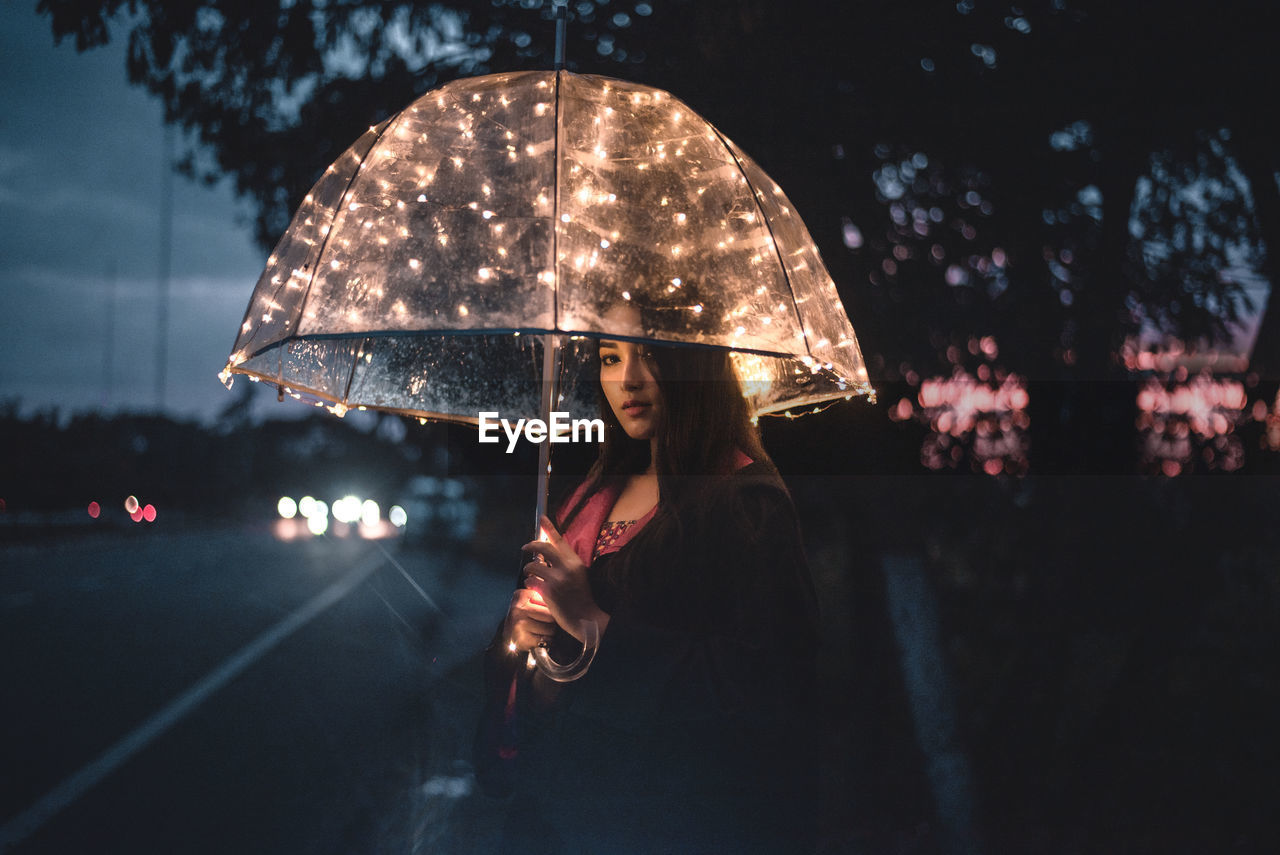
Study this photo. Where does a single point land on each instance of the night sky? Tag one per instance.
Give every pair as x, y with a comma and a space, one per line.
81, 164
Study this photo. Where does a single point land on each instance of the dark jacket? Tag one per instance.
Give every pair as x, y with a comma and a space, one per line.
693, 730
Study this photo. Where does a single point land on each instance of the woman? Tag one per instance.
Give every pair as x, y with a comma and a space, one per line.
691, 732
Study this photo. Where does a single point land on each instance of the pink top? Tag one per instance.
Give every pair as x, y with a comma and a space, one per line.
609, 533
587, 526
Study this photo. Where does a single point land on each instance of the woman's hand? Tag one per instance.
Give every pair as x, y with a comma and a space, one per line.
558, 575
529, 621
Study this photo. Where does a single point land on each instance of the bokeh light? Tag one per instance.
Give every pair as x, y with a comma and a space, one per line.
1188, 423
347, 509
979, 416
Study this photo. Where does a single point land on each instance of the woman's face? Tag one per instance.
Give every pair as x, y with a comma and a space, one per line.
629, 377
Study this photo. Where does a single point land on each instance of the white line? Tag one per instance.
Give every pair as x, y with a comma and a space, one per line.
29, 821
408, 578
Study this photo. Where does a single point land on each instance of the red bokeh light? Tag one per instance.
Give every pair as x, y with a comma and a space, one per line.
136, 515
983, 416
1177, 419
94, 510
149, 513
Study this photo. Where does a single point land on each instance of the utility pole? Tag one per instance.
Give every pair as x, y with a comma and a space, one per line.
109, 346
166, 251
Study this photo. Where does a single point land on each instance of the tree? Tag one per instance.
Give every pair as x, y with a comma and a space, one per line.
1026, 132
271, 92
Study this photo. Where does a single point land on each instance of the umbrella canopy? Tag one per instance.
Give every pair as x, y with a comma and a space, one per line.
435, 259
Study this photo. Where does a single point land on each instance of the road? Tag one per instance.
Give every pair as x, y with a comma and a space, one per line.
214, 690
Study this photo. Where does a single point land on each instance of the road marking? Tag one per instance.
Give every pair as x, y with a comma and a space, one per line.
408, 578
71, 789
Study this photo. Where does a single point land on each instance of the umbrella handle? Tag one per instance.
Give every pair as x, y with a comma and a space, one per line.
572, 670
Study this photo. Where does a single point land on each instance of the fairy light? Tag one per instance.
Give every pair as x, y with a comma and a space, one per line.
392, 251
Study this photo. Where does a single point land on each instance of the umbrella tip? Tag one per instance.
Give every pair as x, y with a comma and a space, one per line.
562, 22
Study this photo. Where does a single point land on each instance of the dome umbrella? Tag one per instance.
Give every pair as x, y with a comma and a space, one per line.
463, 256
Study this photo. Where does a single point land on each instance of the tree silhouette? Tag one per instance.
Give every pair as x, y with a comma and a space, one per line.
968, 169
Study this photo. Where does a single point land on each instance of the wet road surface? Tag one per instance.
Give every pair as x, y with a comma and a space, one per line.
219, 691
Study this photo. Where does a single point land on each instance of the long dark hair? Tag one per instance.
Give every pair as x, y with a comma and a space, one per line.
705, 420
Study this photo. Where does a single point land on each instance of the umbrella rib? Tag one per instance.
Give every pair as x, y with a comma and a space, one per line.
284, 284
320, 395
506, 331
324, 244
555, 209
782, 264
355, 363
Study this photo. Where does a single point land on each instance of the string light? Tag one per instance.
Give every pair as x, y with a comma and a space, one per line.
383, 243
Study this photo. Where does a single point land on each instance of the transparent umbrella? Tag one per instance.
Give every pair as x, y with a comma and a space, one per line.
462, 256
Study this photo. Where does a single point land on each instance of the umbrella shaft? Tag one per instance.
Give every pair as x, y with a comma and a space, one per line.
550, 396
